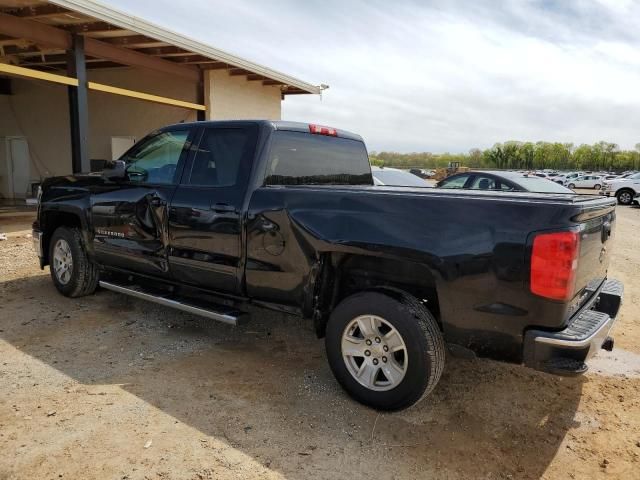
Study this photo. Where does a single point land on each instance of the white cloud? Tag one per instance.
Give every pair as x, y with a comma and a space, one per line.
442, 76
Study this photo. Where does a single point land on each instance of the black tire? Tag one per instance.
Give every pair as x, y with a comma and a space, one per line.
596, 186
625, 197
420, 332
84, 273
571, 186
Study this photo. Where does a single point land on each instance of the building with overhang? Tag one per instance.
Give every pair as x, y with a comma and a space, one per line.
81, 82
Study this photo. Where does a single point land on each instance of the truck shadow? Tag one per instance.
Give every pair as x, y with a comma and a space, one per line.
265, 389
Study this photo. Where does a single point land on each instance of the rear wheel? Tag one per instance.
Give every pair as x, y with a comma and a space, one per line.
385, 348
625, 197
73, 274
596, 186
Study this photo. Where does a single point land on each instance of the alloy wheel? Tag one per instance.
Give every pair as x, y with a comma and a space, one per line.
62, 261
374, 352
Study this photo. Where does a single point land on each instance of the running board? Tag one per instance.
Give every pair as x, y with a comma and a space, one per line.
229, 316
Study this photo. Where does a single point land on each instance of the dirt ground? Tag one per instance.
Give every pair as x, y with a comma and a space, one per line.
110, 387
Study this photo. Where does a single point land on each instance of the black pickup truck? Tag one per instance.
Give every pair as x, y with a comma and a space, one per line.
211, 217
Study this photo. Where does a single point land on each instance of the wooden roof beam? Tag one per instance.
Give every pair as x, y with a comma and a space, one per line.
51, 60
92, 28
126, 56
30, 50
40, 11
174, 55
161, 51
213, 65
103, 64
135, 41
43, 34
192, 59
34, 31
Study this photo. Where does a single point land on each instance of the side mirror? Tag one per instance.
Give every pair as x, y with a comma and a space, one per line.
117, 170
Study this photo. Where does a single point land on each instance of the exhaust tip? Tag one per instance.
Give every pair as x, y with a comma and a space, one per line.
608, 344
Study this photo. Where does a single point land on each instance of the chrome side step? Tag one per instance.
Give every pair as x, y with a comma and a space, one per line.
231, 317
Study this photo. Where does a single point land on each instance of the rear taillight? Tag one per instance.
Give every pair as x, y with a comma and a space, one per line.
554, 261
321, 130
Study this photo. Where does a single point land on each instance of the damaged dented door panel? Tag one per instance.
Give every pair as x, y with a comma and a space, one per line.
301, 185
130, 217
205, 218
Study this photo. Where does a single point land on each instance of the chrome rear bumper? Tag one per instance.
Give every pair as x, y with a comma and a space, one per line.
564, 352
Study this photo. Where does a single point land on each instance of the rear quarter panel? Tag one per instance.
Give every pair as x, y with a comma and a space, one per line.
475, 245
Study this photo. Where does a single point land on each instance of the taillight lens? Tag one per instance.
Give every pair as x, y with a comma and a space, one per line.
554, 261
321, 130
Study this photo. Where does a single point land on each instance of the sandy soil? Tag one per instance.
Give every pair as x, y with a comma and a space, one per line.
111, 387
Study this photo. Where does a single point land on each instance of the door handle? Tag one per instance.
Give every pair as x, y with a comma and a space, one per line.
223, 207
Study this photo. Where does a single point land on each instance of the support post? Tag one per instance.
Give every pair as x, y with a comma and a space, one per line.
200, 114
78, 106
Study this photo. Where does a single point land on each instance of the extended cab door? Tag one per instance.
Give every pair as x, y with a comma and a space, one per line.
130, 217
205, 218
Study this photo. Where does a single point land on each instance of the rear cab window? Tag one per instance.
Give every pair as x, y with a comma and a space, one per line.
299, 158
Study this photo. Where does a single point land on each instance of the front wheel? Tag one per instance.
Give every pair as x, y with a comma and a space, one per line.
571, 186
625, 197
596, 186
73, 274
385, 348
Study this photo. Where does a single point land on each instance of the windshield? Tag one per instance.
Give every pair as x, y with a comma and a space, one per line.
537, 184
399, 178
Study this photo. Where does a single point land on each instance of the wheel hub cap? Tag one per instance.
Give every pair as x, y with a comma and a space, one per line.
62, 261
374, 352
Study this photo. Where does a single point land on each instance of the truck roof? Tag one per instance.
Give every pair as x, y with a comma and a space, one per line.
274, 124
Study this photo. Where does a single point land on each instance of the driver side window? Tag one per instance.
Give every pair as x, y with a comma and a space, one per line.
156, 159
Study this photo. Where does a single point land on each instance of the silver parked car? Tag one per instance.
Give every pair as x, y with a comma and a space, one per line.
397, 178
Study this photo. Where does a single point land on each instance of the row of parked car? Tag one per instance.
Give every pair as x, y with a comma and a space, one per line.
625, 187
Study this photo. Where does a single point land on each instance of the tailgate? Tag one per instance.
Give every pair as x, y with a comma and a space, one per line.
597, 224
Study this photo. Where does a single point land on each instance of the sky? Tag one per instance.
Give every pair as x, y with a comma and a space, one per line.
441, 75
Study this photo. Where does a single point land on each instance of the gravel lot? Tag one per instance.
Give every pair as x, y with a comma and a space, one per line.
111, 387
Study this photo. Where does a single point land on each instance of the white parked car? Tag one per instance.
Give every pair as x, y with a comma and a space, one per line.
397, 178
624, 189
566, 177
586, 181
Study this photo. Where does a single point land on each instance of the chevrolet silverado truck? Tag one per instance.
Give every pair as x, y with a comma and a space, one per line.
214, 217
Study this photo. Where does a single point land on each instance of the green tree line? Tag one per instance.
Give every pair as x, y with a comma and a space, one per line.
523, 156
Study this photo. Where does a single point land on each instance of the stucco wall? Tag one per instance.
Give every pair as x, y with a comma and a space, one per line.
40, 111
115, 115
234, 97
